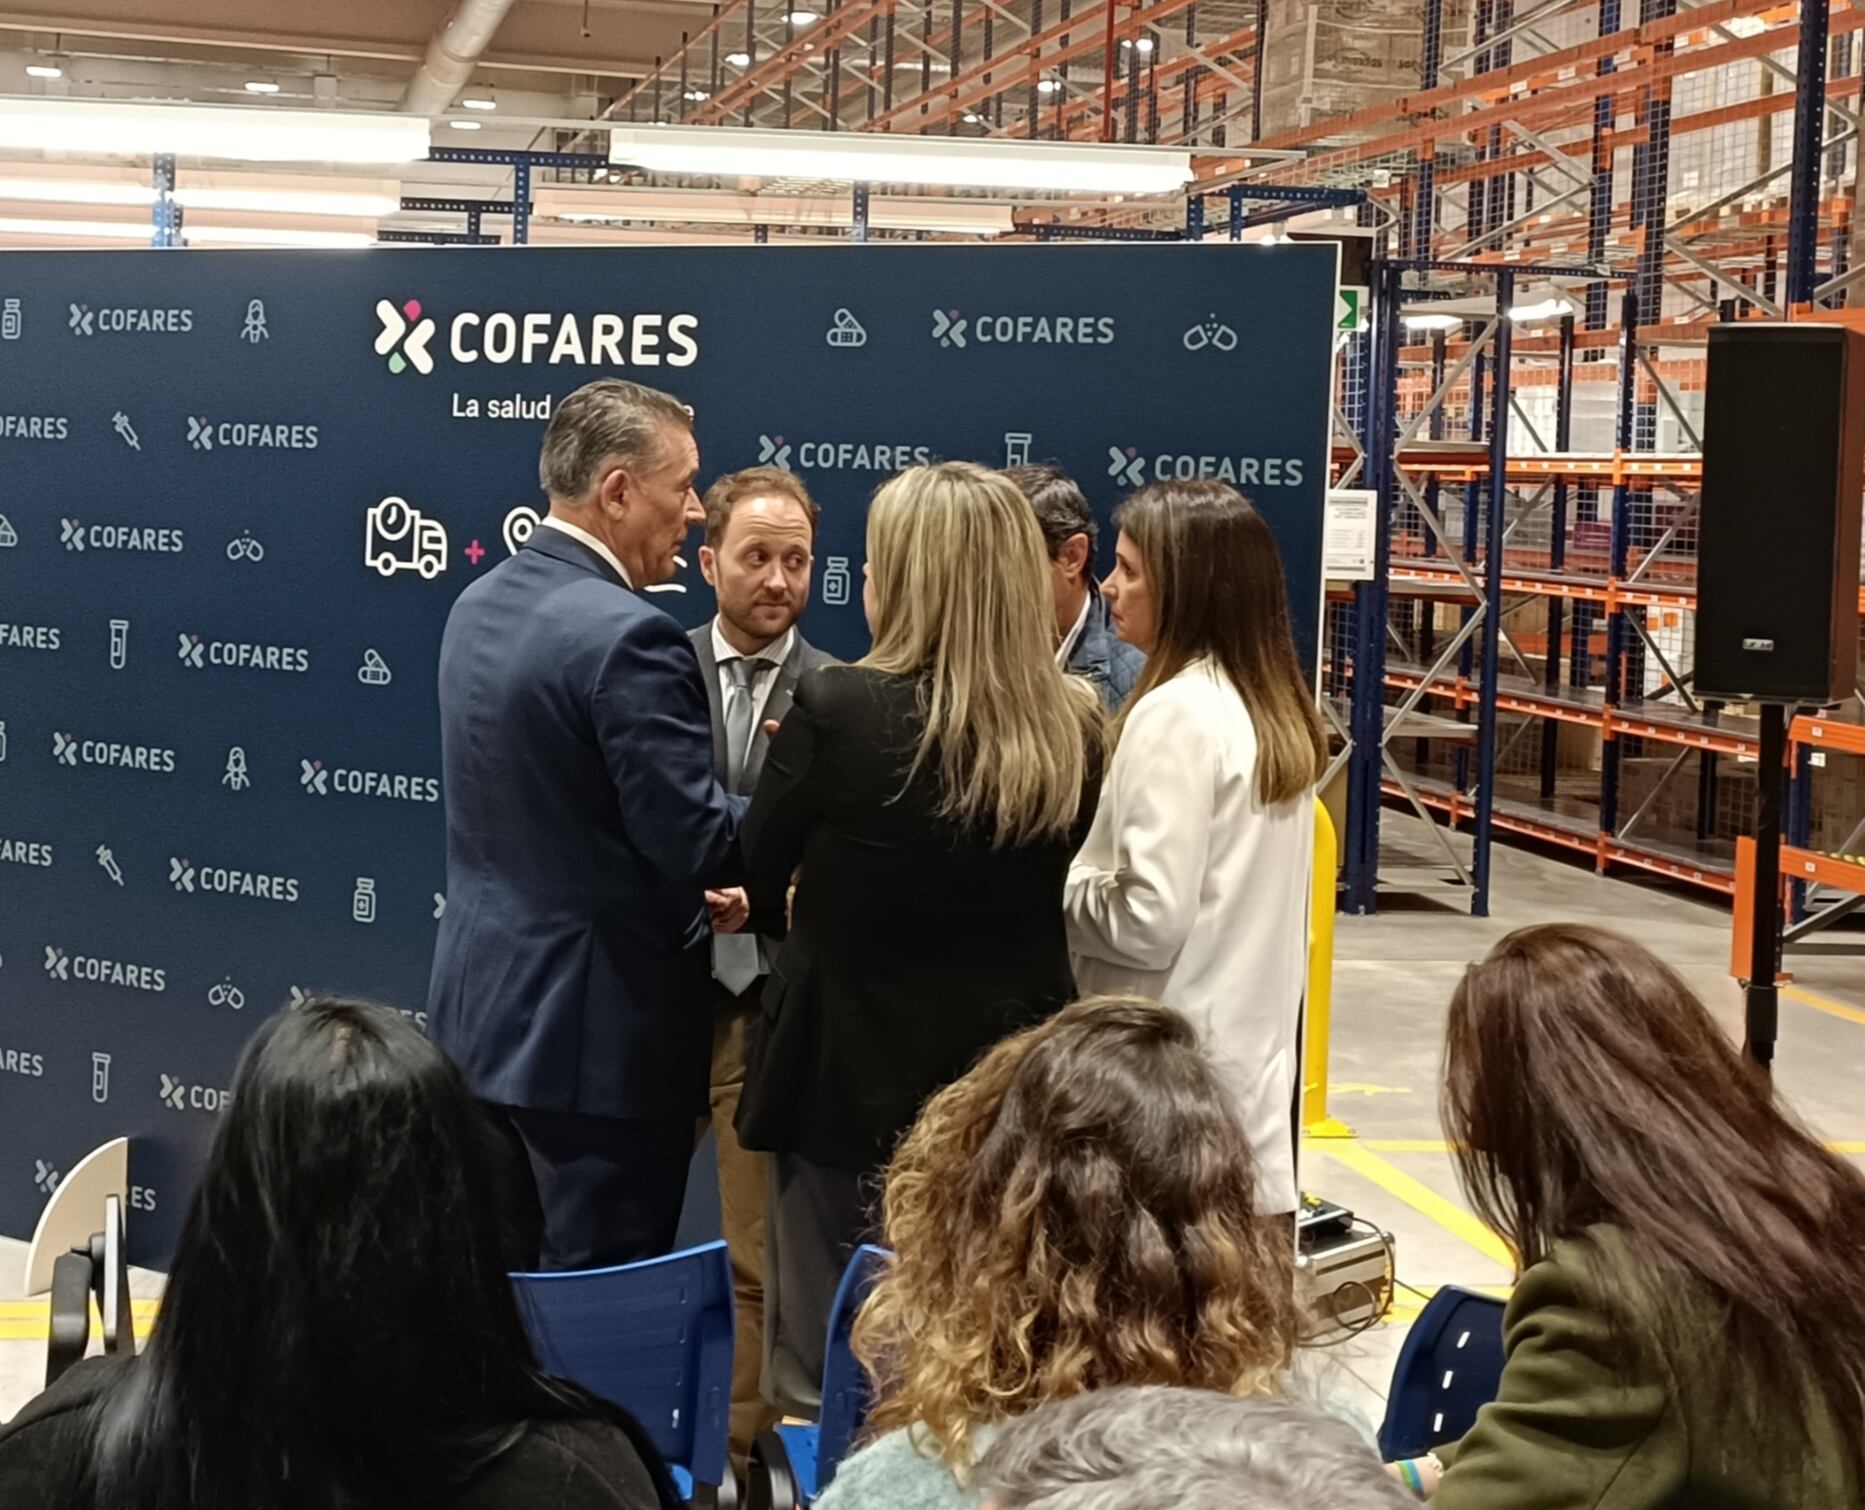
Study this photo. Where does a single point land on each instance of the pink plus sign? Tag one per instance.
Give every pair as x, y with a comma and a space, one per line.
474, 552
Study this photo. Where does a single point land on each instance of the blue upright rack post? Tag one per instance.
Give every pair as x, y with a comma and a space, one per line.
1496, 495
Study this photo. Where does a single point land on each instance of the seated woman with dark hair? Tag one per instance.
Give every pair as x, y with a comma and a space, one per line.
1689, 1327
338, 1330
1076, 1213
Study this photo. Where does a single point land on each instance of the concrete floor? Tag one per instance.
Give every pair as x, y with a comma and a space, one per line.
1394, 974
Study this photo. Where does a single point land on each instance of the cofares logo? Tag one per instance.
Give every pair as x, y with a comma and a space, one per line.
499, 337
119, 537
250, 435
68, 749
19, 1062
239, 655
117, 320
1126, 465
34, 427
29, 637
34, 852
45, 1177
1131, 468
319, 780
186, 876
950, 329
90, 968
840, 455
404, 337
178, 1096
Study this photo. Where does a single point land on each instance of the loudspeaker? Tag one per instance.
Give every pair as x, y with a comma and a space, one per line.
1778, 543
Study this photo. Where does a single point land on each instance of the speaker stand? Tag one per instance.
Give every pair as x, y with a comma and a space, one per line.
1763, 1003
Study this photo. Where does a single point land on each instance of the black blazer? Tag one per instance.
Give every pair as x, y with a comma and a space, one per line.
915, 945
586, 1464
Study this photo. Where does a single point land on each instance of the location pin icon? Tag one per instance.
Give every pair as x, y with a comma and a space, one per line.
519, 525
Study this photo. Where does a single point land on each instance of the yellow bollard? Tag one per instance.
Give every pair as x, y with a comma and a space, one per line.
1318, 1012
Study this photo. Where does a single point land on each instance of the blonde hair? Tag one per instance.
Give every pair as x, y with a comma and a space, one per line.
961, 592
1218, 589
1076, 1213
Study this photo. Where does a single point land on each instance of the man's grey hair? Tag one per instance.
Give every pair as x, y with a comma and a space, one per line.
609, 420
1155, 1448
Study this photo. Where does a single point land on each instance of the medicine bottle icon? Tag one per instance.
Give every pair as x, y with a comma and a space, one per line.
835, 581
9, 321
363, 904
2, 739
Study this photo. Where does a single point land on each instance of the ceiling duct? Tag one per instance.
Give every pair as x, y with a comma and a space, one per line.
452, 53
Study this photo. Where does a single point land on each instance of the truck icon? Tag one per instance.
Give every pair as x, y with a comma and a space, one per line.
399, 538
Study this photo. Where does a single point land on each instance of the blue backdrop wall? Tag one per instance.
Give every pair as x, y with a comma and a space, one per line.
238, 492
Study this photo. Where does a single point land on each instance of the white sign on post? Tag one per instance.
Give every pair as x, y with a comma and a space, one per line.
1347, 542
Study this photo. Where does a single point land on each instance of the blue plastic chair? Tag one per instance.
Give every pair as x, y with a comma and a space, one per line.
1449, 1368
794, 1464
654, 1338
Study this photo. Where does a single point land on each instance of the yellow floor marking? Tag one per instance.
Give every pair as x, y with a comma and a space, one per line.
1406, 1145
41, 1309
1422, 1199
1824, 1004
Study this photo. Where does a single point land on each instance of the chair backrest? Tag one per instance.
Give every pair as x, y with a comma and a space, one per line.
653, 1337
846, 1394
1448, 1370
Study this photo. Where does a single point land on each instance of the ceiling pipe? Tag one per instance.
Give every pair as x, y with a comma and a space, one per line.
452, 53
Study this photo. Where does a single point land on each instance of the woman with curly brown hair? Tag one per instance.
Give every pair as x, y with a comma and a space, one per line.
1078, 1212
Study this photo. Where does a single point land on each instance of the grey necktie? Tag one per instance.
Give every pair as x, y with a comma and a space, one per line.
740, 699
735, 957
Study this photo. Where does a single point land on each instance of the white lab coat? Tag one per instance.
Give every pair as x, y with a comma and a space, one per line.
1190, 891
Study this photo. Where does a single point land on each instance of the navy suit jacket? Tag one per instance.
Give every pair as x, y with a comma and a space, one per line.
583, 824
1104, 658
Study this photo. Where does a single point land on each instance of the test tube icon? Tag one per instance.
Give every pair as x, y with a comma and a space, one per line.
100, 1078
119, 644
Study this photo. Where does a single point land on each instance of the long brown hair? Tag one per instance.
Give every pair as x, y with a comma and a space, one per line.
1586, 1086
1075, 1213
961, 592
1218, 590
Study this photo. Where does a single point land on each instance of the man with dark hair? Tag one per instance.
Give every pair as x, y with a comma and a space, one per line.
583, 825
1086, 644
760, 546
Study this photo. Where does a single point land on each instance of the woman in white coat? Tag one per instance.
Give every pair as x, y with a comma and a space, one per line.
1192, 887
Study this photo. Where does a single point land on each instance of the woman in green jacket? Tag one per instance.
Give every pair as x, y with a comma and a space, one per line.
1689, 1327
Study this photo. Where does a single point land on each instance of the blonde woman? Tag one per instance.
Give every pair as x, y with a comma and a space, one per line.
928, 799
1193, 885
1075, 1214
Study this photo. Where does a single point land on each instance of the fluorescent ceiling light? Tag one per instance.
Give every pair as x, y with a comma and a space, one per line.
285, 201
76, 191
804, 17
886, 212
1553, 307
1145, 44
261, 86
44, 71
855, 158
254, 235
1433, 322
1048, 86
696, 95
479, 102
120, 230
971, 118
255, 134
464, 125
738, 59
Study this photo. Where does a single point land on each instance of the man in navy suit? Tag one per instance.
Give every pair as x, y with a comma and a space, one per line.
1086, 644
571, 979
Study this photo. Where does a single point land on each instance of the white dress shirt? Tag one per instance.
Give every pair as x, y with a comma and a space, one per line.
1073, 637
577, 532
777, 652
1190, 891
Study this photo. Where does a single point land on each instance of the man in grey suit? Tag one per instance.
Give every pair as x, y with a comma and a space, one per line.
760, 544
